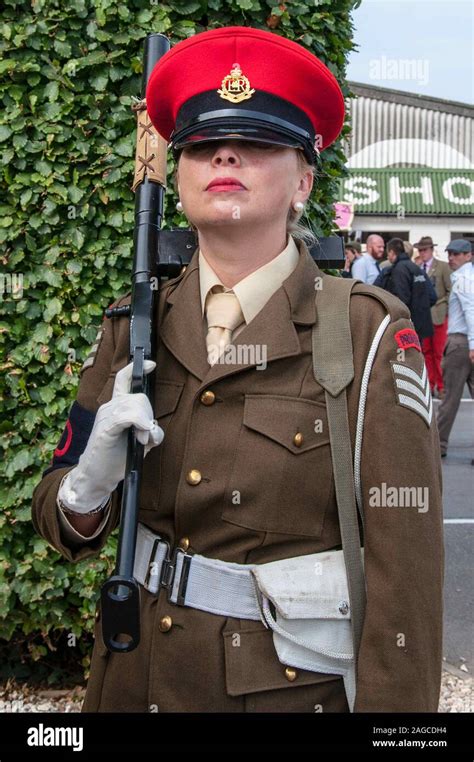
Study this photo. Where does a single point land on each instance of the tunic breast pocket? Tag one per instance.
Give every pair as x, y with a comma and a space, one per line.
281, 476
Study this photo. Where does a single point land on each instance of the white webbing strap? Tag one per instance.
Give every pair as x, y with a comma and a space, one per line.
219, 587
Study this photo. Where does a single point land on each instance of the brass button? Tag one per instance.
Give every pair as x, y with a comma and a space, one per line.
291, 674
298, 439
208, 397
97, 615
184, 543
193, 476
166, 624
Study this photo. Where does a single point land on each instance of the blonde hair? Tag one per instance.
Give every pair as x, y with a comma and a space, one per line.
294, 227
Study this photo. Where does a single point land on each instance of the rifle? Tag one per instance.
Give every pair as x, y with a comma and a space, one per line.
120, 595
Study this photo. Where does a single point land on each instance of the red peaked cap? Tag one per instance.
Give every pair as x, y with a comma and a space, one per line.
282, 94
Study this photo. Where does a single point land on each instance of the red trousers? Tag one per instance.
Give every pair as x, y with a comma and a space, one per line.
433, 348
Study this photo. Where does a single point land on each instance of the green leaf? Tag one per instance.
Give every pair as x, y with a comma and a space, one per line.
25, 197
43, 167
53, 308
19, 462
187, 8
51, 91
115, 220
19, 140
63, 48
75, 194
5, 132
74, 266
7, 64
77, 238
42, 333
7, 156
125, 147
99, 82
47, 394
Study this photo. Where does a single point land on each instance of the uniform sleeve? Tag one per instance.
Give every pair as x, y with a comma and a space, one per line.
400, 657
71, 535
108, 354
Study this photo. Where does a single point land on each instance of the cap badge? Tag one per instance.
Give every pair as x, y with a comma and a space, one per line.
235, 86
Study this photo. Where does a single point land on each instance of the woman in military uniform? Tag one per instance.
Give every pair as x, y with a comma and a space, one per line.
245, 472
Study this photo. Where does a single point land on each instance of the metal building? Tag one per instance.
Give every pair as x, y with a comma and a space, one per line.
411, 166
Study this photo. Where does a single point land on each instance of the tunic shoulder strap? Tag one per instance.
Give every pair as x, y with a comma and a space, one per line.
332, 341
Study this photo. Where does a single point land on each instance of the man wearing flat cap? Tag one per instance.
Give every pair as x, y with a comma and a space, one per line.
433, 346
458, 360
292, 405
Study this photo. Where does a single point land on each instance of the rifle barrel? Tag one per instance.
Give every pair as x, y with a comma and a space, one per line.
120, 595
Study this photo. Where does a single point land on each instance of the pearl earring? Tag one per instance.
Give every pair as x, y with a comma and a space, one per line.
179, 206
298, 206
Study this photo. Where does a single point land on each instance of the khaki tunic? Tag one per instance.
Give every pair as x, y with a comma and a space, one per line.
242, 444
440, 276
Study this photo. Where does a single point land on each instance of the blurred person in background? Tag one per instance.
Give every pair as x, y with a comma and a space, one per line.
458, 359
439, 273
405, 279
352, 253
367, 267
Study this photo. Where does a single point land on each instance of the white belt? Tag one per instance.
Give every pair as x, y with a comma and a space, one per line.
310, 624
219, 587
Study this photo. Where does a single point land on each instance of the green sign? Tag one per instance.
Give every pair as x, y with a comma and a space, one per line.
401, 192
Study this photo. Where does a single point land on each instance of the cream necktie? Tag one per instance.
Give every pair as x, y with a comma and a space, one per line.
223, 314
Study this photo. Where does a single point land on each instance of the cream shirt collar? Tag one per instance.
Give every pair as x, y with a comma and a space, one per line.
253, 291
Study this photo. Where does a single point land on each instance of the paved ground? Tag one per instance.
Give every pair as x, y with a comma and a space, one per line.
458, 479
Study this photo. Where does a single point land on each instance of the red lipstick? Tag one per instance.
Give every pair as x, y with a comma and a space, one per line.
225, 184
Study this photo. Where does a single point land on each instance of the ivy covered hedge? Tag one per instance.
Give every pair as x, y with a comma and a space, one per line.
68, 71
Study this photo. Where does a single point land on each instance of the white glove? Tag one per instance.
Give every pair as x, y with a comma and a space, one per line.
102, 464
